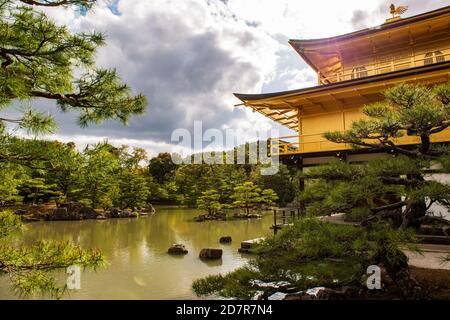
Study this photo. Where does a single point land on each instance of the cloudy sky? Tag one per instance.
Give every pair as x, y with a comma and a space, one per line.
189, 56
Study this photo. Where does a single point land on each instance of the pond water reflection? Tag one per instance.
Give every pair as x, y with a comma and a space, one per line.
136, 249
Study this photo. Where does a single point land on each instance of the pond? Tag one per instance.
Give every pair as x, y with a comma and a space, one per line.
136, 249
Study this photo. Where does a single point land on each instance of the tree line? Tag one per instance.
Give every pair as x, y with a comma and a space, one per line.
104, 176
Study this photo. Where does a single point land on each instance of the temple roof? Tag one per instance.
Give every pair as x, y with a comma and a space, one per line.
325, 54
380, 28
283, 106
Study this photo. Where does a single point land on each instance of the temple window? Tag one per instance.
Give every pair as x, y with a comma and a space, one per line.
433, 57
359, 72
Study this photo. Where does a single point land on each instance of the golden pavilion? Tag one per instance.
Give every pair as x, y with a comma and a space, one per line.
353, 70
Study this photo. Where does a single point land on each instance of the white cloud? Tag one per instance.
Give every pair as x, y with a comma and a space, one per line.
152, 147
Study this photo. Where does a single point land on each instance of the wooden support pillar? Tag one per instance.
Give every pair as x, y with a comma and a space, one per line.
275, 227
301, 183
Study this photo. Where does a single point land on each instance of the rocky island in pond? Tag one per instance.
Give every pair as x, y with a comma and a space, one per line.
76, 211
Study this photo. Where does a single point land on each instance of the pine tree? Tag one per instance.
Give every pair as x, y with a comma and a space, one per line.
10, 180
161, 167
134, 189
281, 182
268, 197
37, 188
209, 200
38, 59
100, 182
391, 199
64, 169
408, 111
246, 195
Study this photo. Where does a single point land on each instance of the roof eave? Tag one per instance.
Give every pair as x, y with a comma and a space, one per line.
245, 98
385, 26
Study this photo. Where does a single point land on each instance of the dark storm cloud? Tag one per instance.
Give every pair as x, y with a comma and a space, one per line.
185, 74
359, 19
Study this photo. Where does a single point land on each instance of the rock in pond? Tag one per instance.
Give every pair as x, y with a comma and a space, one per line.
117, 213
221, 217
243, 215
113, 213
88, 213
28, 218
150, 209
226, 239
61, 214
211, 254
72, 211
21, 212
240, 216
200, 218
177, 249
127, 213
134, 214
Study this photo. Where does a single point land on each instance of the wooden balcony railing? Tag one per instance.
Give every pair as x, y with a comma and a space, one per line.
311, 143
401, 62
303, 144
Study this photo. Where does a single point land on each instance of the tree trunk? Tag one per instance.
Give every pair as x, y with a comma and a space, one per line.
35, 196
425, 147
416, 210
398, 270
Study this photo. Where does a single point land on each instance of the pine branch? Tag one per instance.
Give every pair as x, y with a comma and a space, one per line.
382, 215
52, 3
391, 206
431, 219
403, 182
444, 126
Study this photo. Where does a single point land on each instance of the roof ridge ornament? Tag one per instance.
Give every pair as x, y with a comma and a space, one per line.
396, 12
